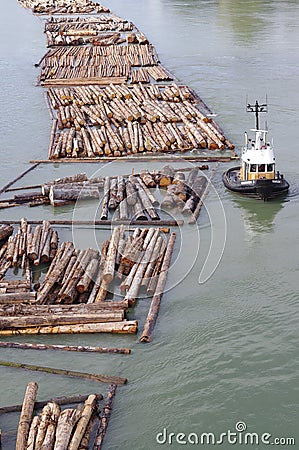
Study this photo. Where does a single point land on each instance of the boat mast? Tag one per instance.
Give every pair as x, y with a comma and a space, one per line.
256, 108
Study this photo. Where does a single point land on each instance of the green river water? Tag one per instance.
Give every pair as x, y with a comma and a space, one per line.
225, 350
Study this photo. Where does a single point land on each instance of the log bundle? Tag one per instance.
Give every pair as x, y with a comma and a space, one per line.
126, 198
75, 294
26, 248
118, 121
100, 30
67, 65
60, 428
63, 6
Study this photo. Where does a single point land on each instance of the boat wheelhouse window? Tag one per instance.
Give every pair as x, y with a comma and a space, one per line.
252, 167
261, 168
270, 167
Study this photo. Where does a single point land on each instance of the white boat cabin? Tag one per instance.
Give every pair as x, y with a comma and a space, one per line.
258, 159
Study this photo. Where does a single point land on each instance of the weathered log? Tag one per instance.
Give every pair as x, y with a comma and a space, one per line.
105, 417
113, 201
30, 445
108, 271
138, 211
34, 248
125, 326
26, 416
133, 252
105, 201
152, 284
156, 300
98, 279
152, 198
146, 202
5, 232
191, 177
85, 441
8, 310
18, 297
69, 292
198, 187
146, 258
88, 409
17, 322
157, 251
68, 348
43, 424
166, 176
49, 439
55, 274
73, 194
69, 373
65, 425
131, 193
102, 292
88, 276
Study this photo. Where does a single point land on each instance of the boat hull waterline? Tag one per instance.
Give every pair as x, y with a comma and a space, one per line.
261, 188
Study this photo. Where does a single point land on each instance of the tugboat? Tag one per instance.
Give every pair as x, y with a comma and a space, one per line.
257, 176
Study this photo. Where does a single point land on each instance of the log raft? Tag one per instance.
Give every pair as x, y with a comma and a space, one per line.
72, 297
56, 428
119, 121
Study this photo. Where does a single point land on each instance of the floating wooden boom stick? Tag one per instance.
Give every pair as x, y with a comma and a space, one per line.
59, 400
105, 417
68, 348
68, 373
156, 300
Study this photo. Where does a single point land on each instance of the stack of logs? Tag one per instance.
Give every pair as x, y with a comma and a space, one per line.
119, 121
73, 295
64, 6
128, 198
75, 65
63, 429
79, 31
26, 247
59, 192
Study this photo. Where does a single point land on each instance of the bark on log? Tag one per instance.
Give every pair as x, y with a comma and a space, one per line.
105, 417
49, 439
88, 276
108, 271
73, 194
88, 409
156, 300
26, 416
43, 424
125, 326
68, 348
32, 433
65, 425
18, 297
105, 201
18, 322
36, 309
166, 176
5, 232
